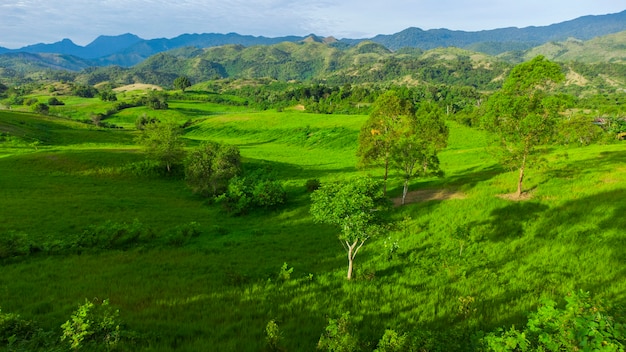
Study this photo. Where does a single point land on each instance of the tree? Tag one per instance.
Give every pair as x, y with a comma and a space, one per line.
182, 83
209, 168
162, 142
421, 137
40, 108
523, 114
380, 131
356, 207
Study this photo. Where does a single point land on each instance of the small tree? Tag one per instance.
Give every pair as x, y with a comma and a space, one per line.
182, 83
162, 142
522, 113
381, 130
414, 151
355, 207
209, 168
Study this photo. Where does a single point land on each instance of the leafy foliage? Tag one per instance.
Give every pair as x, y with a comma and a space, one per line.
338, 336
162, 143
257, 190
355, 206
523, 114
93, 326
209, 168
583, 325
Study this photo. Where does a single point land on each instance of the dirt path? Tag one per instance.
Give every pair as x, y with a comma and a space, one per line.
424, 195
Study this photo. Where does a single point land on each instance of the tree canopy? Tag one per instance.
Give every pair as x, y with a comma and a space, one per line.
355, 206
381, 130
523, 114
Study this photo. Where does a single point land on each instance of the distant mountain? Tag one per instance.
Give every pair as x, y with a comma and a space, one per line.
505, 39
31, 62
127, 50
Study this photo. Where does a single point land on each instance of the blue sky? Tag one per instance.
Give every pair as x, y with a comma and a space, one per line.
24, 22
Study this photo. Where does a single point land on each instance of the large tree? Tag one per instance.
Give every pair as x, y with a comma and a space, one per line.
209, 168
356, 207
523, 113
421, 137
182, 83
162, 142
381, 130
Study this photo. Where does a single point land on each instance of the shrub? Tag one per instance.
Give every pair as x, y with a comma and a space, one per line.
180, 235
14, 329
583, 325
273, 336
392, 342
337, 336
312, 185
113, 235
40, 108
285, 272
256, 190
14, 244
92, 325
53, 101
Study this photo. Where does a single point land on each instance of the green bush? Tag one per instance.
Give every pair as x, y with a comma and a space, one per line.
257, 190
14, 330
337, 336
583, 325
312, 185
15, 244
93, 327
180, 235
113, 235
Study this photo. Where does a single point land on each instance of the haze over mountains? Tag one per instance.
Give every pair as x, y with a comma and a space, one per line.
128, 49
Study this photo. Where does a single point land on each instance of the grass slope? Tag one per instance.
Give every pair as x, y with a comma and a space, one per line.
472, 263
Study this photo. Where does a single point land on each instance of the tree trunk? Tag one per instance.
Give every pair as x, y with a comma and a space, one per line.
521, 178
350, 259
353, 249
405, 190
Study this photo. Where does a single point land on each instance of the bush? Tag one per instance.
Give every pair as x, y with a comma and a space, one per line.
257, 190
113, 235
312, 185
94, 326
14, 244
183, 233
40, 108
55, 102
337, 336
15, 330
583, 325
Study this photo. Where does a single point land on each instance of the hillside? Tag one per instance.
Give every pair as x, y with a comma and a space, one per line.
608, 49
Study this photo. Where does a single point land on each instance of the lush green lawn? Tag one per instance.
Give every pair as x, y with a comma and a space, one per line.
220, 289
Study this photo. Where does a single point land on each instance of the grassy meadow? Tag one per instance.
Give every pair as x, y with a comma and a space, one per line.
467, 259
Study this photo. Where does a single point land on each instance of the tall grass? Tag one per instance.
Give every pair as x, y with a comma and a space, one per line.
475, 262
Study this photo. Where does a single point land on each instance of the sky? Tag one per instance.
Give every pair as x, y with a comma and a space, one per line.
24, 22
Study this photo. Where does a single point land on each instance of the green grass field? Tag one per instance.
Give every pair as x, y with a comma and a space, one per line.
467, 259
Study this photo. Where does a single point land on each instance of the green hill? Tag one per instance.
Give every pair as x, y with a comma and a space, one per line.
606, 49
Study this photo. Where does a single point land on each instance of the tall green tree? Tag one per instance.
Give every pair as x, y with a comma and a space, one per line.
209, 168
163, 143
523, 113
381, 130
420, 138
182, 83
356, 207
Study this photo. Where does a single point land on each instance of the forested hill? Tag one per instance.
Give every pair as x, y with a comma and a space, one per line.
497, 41
127, 50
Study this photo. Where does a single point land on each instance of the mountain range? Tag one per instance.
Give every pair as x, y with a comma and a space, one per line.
127, 50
